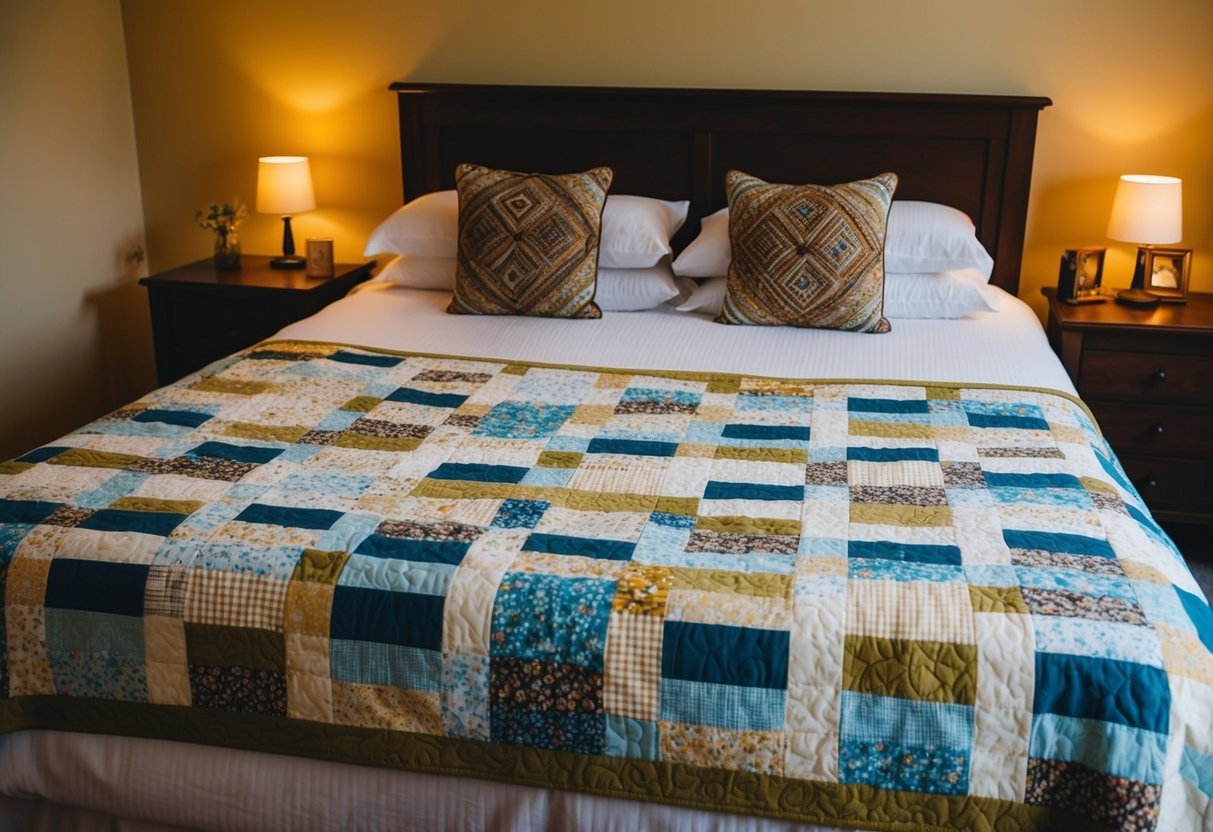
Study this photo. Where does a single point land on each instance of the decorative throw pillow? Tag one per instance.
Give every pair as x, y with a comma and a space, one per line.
807, 255
528, 243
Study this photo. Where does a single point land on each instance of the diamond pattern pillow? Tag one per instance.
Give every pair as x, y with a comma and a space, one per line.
807, 255
528, 243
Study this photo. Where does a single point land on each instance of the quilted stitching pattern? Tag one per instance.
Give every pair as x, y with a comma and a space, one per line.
865, 603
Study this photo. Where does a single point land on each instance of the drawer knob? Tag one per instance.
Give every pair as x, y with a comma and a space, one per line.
1157, 429
1160, 374
1150, 482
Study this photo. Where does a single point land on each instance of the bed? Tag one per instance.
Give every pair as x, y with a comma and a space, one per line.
244, 603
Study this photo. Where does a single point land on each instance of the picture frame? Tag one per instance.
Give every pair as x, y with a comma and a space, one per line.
1080, 277
1168, 271
320, 258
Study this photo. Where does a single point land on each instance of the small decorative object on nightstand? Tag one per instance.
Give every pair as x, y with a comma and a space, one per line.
1081, 276
1167, 273
1147, 210
284, 186
200, 314
1145, 373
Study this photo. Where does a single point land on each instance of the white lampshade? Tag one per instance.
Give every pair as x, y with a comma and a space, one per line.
284, 185
1147, 209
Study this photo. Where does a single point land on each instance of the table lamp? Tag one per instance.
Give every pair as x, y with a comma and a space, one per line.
1147, 210
284, 186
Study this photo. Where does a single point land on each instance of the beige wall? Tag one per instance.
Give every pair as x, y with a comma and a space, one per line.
73, 326
216, 84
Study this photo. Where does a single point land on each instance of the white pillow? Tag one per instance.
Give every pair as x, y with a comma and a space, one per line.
636, 230
634, 290
922, 237
948, 294
420, 272
929, 237
617, 290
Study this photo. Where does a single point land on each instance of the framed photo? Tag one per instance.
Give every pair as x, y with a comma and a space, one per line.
319, 258
1081, 275
1167, 272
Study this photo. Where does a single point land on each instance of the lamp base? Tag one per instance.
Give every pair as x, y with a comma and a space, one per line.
288, 262
1137, 297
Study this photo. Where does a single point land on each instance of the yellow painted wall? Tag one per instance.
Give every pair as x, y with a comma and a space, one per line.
216, 84
74, 335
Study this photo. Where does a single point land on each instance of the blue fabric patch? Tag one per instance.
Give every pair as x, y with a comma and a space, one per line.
422, 551
870, 718
579, 733
912, 552
396, 575
43, 454
477, 472
673, 521
1069, 544
407, 395
1114, 691
368, 360
862, 405
29, 512
774, 432
552, 619
636, 738
1200, 614
654, 394
1002, 420
97, 586
1032, 480
294, 518
720, 654
893, 454
634, 447
722, 706
548, 477
1113, 471
902, 767
558, 544
236, 453
520, 514
185, 418
751, 491
407, 618
879, 569
376, 663
1197, 767
159, 523
523, 420
98, 676
82, 631
1101, 746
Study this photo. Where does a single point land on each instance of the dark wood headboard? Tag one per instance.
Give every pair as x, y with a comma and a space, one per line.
970, 151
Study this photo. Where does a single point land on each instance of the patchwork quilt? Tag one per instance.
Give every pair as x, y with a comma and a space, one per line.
878, 605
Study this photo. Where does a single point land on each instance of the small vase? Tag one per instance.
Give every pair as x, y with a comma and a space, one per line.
227, 252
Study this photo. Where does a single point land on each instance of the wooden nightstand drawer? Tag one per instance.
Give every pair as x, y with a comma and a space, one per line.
1170, 483
1146, 377
1156, 429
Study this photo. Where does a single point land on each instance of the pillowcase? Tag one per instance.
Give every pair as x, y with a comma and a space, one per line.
419, 272
636, 230
634, 290
922, 237
528, 242
807, 255
929, 237
951, 294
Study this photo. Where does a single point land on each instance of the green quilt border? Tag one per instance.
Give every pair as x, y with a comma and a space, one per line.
740, 792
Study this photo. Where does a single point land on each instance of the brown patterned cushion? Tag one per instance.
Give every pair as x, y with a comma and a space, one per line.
528, 243
807, 255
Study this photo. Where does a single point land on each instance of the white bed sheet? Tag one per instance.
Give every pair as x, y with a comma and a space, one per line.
213, 788
1003, 347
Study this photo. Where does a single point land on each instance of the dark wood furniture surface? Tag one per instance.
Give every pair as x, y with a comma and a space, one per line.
200, 314
1147, 375
973, 152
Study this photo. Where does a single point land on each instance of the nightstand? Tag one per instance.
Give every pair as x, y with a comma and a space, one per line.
200, 314
1147, 375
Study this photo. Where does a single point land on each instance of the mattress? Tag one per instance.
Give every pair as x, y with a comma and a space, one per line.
176, 784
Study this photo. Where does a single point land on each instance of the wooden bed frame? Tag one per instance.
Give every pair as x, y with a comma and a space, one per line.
973, 152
